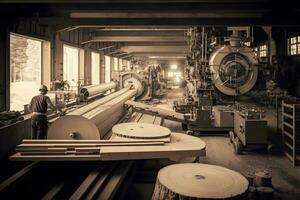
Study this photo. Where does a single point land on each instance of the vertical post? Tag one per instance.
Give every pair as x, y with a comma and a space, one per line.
4, 68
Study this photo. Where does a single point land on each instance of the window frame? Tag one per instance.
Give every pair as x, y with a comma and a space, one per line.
290, 44
46, 63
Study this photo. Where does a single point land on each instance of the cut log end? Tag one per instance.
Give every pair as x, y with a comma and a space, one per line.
199, 181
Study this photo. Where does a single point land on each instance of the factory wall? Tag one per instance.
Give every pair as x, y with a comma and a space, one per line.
288, 75
55, 39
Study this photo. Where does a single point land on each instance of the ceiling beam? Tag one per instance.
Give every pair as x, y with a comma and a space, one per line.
163, 14
137, 38
151, 43
283, 20
140, 33
173, 54
155, 49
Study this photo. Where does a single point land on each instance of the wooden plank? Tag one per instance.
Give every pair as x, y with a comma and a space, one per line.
287, 115
72, 146
288, 125
82, 141
87, 183
288, 134
53, 192
19, 157
101, 181
181, 145
115, 181
17, 176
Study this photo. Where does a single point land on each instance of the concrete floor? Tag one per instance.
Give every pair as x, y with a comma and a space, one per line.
286, 178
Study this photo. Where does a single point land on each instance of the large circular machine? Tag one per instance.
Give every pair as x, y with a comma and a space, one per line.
234, 69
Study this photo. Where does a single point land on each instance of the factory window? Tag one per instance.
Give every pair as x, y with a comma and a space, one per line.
29, 67
116, 64
256, 51
95, 68
294, 46
263, 51
70, 66
107, 69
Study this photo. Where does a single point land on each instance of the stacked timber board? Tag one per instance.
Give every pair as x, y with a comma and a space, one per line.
123, 146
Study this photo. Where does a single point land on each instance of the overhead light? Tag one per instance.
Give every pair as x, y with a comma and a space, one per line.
173, 66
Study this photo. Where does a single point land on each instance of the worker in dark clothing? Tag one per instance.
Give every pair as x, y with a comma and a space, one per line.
39, 105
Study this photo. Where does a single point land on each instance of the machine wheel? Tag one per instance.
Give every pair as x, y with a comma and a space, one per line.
238, 147
184, 126
231, 136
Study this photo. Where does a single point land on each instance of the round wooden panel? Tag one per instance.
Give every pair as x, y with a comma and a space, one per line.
202, 181
73, 127
140, 131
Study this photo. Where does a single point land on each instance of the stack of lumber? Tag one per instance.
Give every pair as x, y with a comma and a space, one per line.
180, 145
199, 181
75, 147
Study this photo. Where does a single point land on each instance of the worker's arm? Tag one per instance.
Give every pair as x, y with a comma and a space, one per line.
52, 107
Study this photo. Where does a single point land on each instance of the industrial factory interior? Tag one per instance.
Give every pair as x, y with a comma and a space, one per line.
149, 99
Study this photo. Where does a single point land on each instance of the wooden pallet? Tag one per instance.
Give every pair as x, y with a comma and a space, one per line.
291, 131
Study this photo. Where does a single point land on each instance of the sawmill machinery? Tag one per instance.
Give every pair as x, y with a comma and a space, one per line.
216, 66
94, 120
234, 66
250, 128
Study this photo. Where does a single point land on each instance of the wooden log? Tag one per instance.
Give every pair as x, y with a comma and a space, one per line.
263, 179
265, 193
199, 181
94, 123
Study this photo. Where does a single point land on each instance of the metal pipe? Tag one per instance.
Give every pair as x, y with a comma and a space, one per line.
99, 102
92, 90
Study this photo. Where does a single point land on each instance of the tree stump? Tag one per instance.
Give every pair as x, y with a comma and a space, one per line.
199, 181
263, 179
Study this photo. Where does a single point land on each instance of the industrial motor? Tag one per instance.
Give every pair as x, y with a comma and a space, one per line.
234, 69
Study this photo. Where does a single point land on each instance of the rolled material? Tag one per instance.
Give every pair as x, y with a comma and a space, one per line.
199, 181
92, 90
94, 121
99, 102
